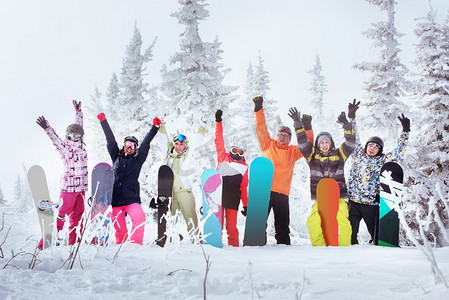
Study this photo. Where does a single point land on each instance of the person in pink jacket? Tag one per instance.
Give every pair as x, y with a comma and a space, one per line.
74, 180
233, 168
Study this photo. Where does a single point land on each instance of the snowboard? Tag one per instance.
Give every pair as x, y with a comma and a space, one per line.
164, 195
391, 178
261, 173
211, 188
102, 182
328, 198
45, 208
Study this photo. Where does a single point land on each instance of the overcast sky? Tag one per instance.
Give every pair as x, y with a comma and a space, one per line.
54, 51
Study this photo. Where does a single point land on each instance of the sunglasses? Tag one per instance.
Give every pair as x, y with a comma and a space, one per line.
238, 151
131, 145
179, 138
374, 144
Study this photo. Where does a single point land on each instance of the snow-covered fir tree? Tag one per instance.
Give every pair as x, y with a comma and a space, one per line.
388, 81
318, 89
323, 118
193, 82
22, 198
2, 197
94, 137
427, 180
130, 106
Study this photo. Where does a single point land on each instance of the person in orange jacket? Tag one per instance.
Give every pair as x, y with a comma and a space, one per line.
234, 170
283, 156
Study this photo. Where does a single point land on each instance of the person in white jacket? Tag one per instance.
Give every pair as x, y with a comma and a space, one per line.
179, 156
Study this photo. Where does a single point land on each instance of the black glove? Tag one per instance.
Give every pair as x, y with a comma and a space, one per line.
294, 114
307, 121
342, 119
218, 115
352, 108
405, 123
258, 103
244, 210
42, 122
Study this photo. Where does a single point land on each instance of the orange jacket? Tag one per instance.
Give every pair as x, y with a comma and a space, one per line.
282, 157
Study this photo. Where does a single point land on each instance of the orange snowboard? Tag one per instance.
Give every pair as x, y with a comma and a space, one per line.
328, 198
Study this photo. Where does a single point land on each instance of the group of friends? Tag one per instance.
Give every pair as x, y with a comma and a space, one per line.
358, 200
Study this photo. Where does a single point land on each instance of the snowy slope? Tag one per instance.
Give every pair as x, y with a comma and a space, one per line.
299, 271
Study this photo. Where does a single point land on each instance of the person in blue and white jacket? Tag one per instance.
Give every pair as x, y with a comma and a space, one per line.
364, 176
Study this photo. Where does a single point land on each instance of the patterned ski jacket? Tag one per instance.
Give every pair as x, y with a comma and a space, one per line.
326, 165
364, 177
234, 174
126, 188
74, 157
282, 157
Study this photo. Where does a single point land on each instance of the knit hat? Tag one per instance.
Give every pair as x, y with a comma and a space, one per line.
324, 136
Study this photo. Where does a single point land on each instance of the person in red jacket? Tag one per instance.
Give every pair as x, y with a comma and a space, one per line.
234, 170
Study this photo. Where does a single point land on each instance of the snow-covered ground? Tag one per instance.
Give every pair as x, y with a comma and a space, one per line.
177, 271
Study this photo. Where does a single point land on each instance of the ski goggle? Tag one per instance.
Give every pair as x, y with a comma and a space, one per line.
237, 150
179, 138
374, 144
74, 136
129, 144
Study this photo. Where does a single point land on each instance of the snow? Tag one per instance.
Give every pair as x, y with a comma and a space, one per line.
177, 271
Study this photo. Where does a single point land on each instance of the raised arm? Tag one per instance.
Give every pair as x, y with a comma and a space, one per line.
111, 143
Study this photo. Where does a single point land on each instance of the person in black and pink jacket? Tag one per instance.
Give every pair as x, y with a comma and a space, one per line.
234, 170
74, 180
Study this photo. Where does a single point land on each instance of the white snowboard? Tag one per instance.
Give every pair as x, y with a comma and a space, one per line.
44, 206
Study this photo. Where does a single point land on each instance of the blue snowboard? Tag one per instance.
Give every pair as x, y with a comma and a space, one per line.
259, 188
211, 188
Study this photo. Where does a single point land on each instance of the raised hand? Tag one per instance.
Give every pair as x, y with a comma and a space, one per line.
294, 114
218, 115
258, 101
342, 118
405, 123
42, 122
77, 105
307, 121
352, 109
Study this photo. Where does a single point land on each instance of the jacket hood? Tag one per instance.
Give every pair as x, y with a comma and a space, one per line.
328, 135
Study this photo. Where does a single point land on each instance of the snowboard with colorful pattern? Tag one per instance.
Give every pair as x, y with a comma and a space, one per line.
211, 188
102, 182
391, 179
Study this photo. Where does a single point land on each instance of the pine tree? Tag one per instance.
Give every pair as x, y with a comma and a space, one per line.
2, 197
318, 88
324, 119
427, 180
94, 134
387, 83
194, 85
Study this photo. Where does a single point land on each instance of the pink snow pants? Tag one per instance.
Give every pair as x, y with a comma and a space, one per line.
137, 216
73, 206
